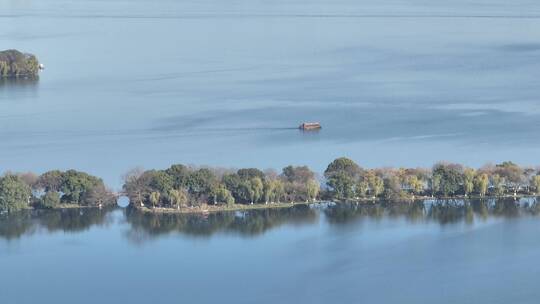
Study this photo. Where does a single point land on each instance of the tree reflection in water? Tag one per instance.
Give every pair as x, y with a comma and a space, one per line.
244, 223
145, 226
15, 225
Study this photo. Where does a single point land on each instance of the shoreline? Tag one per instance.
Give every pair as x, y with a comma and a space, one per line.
241, 207
225, 208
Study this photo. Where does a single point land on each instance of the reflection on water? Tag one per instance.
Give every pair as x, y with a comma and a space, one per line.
19, 82
145, 226
14, 88
14, 226
245, 223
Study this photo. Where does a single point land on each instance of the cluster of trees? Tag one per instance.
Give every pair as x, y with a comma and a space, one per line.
347, 180
16, 64
180, 186
51, 189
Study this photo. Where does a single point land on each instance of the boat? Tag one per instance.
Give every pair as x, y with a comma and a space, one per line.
310, 126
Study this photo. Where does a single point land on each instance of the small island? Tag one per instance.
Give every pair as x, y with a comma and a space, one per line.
15, 64
53, 190
183, 189
186, 189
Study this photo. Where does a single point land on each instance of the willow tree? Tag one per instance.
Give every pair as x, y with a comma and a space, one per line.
481, 183
468, 180
257, 188
177, 197
221, 195
313, 189
498, 184
154, 198
416, 184
535, 181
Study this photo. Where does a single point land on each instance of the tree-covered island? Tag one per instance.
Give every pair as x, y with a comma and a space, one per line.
53, 189
184, 189
15, 64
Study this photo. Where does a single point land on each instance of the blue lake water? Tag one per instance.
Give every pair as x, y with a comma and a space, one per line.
484, 252
394, 83
225, 83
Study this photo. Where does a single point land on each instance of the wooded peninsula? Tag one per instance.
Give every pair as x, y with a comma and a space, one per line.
184, 189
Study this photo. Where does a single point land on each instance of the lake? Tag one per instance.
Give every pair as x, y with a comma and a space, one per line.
226, 83
432, 252
394, 83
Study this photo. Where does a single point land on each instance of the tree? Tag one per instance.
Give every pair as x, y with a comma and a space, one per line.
246, 186
342, 165
362, 187
177, 197
300, 174
98, 196
512, 175
222, 195
50, 200
245, 192
279, 191
375, 183
481, 183
137, 186
434, 184
179, 175
392, 188
342, 176
160, 181
250, 173
268, 190
313, 188
536, 183
201, 182
235, 185
415, 184
497, 182
450, 177
75, 184
296, 181
256, 189
29, 178
51, 180
14, 193
468, 180
154, 198
342, 184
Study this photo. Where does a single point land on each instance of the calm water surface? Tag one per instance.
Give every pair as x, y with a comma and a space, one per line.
480, 252
225, 83
394, 83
